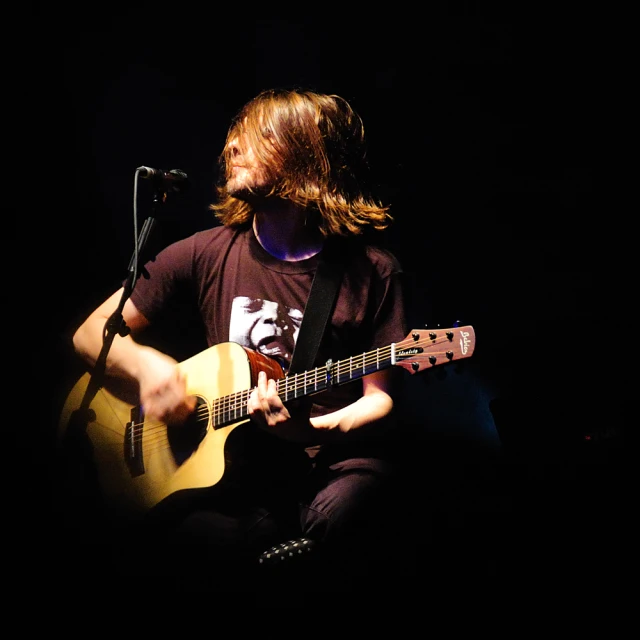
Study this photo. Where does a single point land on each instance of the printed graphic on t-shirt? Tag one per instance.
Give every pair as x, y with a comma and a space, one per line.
265, 326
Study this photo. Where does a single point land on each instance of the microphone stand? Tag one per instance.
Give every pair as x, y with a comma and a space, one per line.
79, 449
116, 325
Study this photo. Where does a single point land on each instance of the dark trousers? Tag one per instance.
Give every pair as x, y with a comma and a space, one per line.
215, 538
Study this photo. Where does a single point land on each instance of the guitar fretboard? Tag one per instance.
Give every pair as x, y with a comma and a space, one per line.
421, 349
233, 408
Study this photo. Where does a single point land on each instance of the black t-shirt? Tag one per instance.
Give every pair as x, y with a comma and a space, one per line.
244, 295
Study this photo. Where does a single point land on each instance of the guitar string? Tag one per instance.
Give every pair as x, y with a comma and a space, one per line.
359, 364
203, 412
239, 400
221, 407
230, 403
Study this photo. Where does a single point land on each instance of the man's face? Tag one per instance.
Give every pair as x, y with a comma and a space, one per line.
247, 172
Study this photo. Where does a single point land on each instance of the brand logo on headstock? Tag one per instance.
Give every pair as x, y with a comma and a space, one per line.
465, 342
409, 352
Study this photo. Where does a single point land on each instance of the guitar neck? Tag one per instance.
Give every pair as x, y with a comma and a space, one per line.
420, 350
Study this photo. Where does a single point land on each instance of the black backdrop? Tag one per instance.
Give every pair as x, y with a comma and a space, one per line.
483, 136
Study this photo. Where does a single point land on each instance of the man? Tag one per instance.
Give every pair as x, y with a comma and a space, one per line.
292, 193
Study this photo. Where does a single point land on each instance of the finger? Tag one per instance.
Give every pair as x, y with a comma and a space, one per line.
254, 405
181, 378
263, 392
272, 392
262, 383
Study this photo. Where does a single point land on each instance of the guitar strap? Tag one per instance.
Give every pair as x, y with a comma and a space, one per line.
320, 303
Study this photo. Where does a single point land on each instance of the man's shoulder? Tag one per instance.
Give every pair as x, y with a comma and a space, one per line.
217, 236
213, 234
359, 251
380, 254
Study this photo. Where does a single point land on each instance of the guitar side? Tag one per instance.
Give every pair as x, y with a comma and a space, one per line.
139, 463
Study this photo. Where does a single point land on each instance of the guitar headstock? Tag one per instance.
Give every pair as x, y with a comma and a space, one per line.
428, 348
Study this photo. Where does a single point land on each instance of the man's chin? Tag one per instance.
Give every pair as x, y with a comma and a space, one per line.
245, 194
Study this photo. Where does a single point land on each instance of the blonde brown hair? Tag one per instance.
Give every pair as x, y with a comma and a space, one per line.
313, 147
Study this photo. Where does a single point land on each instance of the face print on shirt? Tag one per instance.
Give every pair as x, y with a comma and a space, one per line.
265, 326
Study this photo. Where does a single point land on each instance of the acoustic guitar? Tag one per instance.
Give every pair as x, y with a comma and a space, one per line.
139, 463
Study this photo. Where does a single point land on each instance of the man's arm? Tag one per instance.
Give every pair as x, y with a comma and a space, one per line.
373, 411
161, 385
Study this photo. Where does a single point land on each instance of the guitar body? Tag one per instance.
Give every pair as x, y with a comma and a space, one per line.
139, 463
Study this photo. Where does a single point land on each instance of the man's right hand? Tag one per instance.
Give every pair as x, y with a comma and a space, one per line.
163, 389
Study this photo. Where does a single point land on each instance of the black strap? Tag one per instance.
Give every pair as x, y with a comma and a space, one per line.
321, 299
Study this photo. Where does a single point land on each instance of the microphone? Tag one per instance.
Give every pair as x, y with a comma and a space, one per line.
174, 180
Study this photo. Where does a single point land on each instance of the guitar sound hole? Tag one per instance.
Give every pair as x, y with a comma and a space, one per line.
185, 439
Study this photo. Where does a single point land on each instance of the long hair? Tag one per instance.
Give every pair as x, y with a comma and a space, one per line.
312, 147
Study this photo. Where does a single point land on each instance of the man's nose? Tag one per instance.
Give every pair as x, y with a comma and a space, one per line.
234, 147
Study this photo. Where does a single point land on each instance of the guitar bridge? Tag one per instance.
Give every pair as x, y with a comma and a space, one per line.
133, 442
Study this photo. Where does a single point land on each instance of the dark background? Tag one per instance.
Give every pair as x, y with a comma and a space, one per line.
486, 132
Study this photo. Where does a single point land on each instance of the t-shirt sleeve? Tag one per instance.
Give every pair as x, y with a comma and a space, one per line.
390, 317
163, 277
